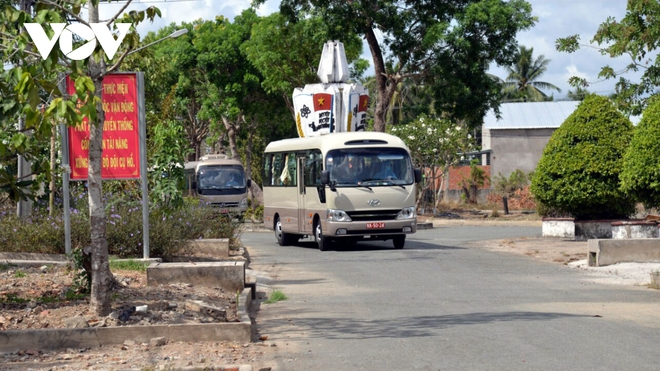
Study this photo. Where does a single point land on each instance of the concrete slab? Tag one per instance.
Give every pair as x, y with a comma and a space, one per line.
634, 229
558, 227
608, 251
215, 247
229, 276
7, 256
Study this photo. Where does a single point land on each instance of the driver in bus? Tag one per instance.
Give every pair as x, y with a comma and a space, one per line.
232, 182
385, 171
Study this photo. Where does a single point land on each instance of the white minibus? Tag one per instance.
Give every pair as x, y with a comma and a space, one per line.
219, 181
340, 187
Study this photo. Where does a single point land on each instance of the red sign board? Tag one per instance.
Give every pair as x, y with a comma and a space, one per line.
121, 145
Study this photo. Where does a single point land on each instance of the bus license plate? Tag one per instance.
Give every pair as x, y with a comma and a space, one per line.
375, 225
224, 211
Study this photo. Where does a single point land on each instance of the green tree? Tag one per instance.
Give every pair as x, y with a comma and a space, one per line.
473, 182
287, 54
578, 173
522, 82
448, 46
641, 164
636, 35
507, 187
409, 101
29, 74
435, 144
578, 94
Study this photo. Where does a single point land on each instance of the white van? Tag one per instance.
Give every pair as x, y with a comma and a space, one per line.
340, 186
219, 181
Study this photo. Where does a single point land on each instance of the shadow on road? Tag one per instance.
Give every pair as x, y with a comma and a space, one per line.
375, 245
406, 327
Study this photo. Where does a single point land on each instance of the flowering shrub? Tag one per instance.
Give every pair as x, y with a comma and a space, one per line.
435, 143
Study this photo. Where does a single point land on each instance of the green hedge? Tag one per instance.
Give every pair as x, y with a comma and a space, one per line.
641, 163
578, 174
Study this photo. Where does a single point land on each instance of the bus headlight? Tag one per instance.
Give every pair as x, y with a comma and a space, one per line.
406, 213
338, 216
243, 203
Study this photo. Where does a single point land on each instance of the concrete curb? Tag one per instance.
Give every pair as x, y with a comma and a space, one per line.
57, 339
424, 225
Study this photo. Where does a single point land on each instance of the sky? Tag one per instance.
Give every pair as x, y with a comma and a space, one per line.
556, 18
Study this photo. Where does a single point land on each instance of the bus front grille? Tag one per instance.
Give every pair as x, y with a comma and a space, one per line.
372, 215
225, 204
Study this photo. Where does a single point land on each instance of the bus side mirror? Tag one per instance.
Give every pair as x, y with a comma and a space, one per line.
418, 175
325, 177
249, 183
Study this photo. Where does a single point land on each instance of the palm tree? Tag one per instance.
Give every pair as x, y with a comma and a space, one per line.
523, 83
578, 94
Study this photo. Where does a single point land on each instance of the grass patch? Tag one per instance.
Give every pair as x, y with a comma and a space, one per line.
129, 265
19, 274
275, 296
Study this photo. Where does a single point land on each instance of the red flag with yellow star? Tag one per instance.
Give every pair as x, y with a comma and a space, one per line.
364, 103
322, 102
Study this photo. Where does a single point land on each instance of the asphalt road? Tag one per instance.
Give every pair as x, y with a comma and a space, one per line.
437, 305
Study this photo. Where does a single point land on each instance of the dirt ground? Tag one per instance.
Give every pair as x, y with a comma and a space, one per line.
32, 298
554, 250
167, 306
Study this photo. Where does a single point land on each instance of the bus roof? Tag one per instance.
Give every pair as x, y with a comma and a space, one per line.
331, 141
212, 160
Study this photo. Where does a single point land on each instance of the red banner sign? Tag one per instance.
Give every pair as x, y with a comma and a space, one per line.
121, 145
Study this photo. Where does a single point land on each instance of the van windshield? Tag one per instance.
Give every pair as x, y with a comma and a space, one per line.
220, 177
369, 166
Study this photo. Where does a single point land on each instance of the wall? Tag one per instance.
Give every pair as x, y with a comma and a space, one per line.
515, 149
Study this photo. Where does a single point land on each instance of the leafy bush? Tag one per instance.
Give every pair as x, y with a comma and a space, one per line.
471, 184
256, 214
641, 163
506, 187
169, 230
578, 173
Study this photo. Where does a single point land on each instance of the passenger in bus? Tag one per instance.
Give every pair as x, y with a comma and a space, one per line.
385, 171
207, 179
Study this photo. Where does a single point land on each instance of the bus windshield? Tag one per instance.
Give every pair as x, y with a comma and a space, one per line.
220, 177
369, 167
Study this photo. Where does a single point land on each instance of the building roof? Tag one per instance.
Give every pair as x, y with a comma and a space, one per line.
530, 115
534, 115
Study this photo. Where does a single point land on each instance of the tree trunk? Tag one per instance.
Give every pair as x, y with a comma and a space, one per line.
232, 131
386, 88
101, 276
473, 194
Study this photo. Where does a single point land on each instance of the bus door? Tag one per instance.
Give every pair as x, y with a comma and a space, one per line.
302, 207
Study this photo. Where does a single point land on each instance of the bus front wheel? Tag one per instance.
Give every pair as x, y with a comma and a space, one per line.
321, 240
283, 238
399, 241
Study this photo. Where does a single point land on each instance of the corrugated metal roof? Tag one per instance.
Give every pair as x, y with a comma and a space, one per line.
534, 115
530, 115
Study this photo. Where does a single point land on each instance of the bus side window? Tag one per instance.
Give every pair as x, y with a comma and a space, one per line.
278, 165
288, 176
313, 167
268, 170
